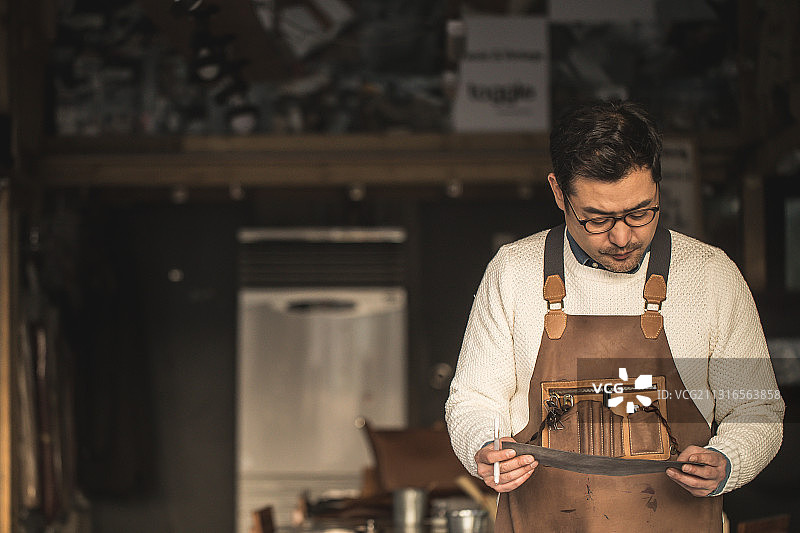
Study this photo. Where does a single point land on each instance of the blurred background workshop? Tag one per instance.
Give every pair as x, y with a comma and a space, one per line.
241, 238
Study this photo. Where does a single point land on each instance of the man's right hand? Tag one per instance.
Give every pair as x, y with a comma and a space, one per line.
514, 471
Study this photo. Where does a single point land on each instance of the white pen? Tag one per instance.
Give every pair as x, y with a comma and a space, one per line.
496, 447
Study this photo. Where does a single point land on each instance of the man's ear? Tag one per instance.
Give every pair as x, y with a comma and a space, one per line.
558, 194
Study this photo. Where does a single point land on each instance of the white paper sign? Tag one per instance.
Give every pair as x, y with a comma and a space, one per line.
504, 76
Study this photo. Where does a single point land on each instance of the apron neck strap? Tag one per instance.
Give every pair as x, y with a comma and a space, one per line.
660, 252
554, 252
555, 320
655, 288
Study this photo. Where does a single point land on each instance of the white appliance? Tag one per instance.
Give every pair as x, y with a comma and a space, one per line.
311, 362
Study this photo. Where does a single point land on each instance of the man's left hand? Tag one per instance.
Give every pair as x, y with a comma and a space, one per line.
700, 480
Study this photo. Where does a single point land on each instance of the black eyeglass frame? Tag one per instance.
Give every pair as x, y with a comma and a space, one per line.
614, 219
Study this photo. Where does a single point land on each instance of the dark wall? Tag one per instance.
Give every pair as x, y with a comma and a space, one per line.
179, 264
173, 467
457, 241
160, 382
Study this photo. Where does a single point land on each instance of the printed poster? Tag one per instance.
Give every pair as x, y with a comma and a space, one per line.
504, 76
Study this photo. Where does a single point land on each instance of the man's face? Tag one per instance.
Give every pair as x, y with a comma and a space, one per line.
621, 248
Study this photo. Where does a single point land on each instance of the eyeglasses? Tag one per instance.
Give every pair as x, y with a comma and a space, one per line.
634, 219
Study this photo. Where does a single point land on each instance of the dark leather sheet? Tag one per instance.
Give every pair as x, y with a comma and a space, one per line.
593, 464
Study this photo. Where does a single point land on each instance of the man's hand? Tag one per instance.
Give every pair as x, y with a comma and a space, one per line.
699, 480
514, 471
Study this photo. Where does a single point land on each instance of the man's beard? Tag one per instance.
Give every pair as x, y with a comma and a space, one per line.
632, 261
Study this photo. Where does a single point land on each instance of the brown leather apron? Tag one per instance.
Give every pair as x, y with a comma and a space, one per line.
555, 500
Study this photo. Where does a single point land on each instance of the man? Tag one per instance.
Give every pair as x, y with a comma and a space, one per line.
696, 329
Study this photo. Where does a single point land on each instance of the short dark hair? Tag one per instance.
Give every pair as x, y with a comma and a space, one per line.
604, 140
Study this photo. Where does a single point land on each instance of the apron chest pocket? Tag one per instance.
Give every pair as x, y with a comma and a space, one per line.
576, 417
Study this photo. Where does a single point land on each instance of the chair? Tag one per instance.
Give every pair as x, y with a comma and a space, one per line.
415, 457
262, 521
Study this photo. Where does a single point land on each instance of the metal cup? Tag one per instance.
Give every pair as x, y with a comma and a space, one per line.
409, 506
467, 521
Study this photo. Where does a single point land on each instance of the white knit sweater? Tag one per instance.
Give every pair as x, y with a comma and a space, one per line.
709, 316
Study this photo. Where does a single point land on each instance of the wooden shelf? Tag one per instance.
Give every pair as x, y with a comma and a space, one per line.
392, 159
319, 160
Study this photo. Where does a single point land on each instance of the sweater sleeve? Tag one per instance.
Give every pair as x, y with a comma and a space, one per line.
748, 407
484, 379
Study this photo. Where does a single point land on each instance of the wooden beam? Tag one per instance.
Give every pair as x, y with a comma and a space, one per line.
268, 161
355, 143
316, 160
304, 171
6, 262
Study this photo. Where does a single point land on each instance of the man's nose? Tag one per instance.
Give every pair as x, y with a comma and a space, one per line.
620, 234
